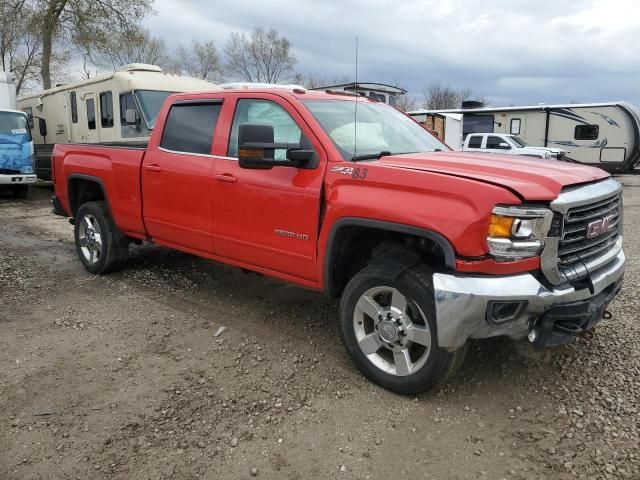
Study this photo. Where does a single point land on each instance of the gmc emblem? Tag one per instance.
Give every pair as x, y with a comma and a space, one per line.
600, 226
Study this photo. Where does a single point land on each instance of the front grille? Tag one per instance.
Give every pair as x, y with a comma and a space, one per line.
574, 245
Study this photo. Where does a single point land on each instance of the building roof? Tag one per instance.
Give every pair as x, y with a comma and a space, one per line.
381, 87
541, 108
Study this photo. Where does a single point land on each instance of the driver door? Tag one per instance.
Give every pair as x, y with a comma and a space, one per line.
268, 218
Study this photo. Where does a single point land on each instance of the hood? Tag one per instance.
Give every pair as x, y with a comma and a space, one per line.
533, 179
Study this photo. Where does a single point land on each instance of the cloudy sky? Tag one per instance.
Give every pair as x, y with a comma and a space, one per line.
513, 52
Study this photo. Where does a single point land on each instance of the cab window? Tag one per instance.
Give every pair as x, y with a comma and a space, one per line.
189, 127
285, 129
494, 143
127, 102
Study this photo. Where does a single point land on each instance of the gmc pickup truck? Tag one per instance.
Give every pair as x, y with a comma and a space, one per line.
425, 247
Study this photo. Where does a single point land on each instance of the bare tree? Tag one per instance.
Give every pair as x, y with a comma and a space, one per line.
311, 80
406, 102
19, 43
200, 61
263, 56
134, 45
439, 97
84, 22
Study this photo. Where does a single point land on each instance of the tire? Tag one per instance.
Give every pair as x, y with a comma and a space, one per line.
102, 248
398, 350
21, 192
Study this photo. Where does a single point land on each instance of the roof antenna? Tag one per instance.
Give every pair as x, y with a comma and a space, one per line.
355, 110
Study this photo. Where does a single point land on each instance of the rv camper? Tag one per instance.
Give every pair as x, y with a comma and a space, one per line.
16, 147
606, 135
118, 108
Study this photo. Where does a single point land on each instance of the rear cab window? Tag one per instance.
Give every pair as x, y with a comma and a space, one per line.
475, 141
190, 126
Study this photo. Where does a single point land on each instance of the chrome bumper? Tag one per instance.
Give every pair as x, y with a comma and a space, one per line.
462, 301
17, 179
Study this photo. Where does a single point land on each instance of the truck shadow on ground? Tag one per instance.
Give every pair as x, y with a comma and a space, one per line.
262, 304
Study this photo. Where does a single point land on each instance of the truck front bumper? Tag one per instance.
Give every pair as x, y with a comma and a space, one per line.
17, 179
520, 306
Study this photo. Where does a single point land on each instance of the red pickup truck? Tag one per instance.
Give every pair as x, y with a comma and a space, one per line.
426, 247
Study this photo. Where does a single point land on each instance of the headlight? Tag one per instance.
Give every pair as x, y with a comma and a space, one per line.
518, 232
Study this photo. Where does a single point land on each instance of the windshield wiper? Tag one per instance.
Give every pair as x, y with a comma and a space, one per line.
371, 156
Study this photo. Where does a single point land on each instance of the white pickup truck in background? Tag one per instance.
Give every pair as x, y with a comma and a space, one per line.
508, 144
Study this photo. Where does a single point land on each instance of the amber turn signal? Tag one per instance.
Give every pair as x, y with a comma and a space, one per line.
500, 227
252, 153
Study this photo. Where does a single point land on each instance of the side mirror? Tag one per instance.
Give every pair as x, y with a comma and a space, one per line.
256, 146
130, 117
504, 146
42, 126
256, 149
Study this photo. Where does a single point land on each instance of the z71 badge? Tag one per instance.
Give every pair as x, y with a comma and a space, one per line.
357, 173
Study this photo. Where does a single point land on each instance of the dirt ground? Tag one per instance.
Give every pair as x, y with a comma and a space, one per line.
122, 377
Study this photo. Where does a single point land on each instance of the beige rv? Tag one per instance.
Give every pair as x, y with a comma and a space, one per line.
118, 108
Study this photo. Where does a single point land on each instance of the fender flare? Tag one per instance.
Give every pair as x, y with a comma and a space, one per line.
90, 178
435, 237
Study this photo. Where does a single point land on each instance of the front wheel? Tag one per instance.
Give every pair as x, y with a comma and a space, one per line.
388, 326
102, 248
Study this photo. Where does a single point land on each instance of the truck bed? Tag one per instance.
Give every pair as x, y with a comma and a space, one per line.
103, 164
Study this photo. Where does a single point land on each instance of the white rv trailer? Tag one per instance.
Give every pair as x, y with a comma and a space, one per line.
606, 135
117, 108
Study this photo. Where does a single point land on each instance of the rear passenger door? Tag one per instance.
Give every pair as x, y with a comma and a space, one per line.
176, 177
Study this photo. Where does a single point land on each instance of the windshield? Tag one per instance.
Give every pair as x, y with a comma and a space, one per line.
150, 102
14, 127
379, 128
520, 142
15, 143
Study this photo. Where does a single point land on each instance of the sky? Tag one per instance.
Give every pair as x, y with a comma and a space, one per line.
513, 52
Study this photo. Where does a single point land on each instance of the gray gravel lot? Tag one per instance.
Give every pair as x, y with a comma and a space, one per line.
121, 377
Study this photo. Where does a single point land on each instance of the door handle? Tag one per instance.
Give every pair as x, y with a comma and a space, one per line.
154, 168
226, 177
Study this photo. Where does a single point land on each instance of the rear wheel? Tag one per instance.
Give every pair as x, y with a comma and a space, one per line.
388, 326
102, 248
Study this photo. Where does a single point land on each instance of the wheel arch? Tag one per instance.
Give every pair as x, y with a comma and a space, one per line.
83, 188
337, 271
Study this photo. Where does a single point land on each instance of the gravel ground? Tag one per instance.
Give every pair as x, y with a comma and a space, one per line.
123, 377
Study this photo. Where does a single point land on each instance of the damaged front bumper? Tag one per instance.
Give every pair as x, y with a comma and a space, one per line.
520, 306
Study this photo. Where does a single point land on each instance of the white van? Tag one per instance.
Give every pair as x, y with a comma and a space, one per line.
118, 108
